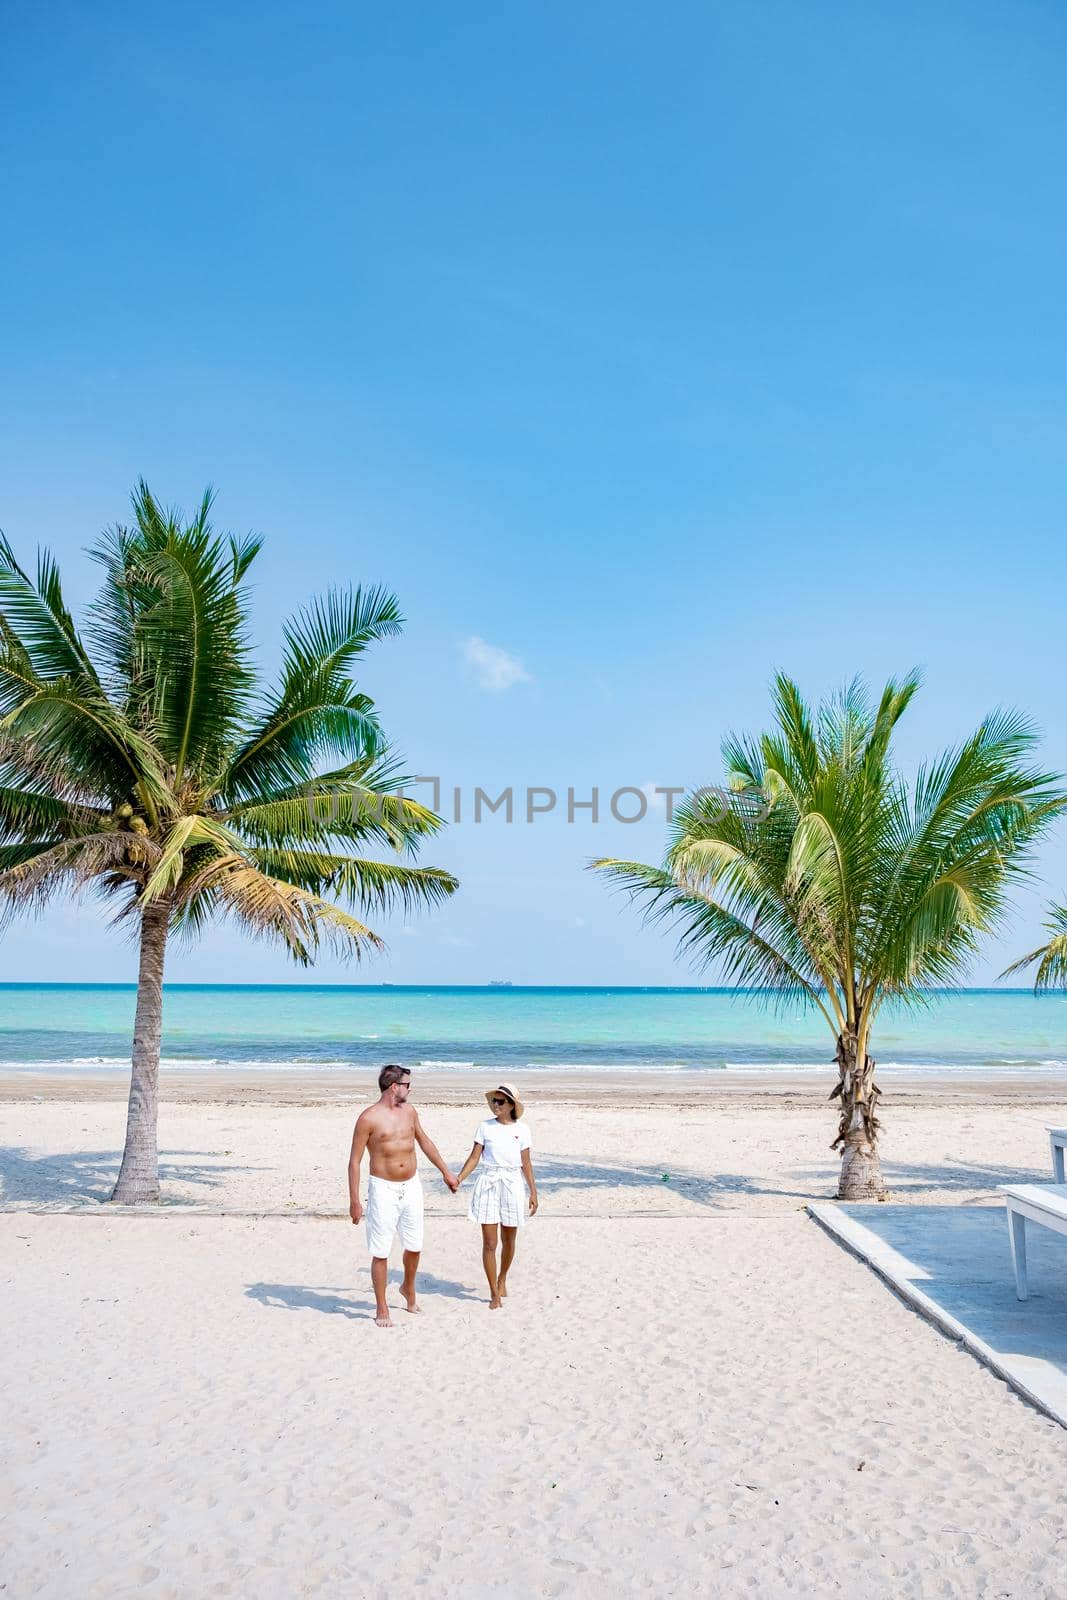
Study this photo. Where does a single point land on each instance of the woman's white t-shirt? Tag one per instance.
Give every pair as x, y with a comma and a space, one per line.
503, 1142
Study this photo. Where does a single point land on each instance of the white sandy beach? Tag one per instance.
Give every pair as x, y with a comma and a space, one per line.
691, 1390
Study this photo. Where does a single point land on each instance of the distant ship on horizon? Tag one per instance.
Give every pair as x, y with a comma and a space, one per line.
500, 983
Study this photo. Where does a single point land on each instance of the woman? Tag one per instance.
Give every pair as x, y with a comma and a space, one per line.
497, 1202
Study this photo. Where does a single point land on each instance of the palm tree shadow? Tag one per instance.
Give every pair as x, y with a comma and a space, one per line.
89, 1175
706, 1189
964, 1177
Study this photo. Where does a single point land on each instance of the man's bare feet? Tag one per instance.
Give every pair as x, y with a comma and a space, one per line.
382, 1319
495, 1303
408, 1297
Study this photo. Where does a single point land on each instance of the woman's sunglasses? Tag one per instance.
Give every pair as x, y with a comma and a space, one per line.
499, 1100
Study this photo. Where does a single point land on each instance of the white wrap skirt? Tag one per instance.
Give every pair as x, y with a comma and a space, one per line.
499, 1196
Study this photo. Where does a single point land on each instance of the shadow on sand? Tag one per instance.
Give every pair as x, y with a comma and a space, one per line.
89, 1175
302, 1297
962, 1177
959, 1258
798, 1182
339, 1302
557, 1177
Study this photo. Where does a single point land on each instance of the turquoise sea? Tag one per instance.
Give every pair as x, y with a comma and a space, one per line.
316, 1027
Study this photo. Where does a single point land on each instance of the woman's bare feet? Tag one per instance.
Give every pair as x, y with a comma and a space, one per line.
502, 1288
382, 1319
495, 1303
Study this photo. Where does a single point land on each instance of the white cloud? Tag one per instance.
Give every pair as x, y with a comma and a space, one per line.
495, 669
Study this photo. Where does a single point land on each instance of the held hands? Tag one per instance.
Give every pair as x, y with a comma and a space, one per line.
451, 1182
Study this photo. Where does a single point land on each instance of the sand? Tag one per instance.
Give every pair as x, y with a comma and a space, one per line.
262, 1141
691, 1390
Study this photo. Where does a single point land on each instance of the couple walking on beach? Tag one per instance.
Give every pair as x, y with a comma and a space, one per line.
388, 1132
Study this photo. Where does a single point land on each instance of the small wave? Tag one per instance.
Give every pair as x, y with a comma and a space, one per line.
1015, 1066
179, 1064
68, 1063
619, 1066
221, 1064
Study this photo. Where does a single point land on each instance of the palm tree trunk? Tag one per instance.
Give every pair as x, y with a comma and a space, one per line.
857, 1132
138, 1180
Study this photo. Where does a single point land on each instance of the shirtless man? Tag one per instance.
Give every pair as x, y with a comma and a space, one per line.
390, 1130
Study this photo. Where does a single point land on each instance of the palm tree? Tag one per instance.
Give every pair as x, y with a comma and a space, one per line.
141, 759
1051, 958
823, 877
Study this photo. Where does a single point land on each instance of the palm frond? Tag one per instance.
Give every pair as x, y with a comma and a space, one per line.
710, 931
111, 621
315, 722
242, 554
328, 635
27, 814
302, 921
190, 635
380, 885
19, 855
179, 844
962, 841
72, 864
68, 731
1050, 958
356, 803
37, 617
316, 712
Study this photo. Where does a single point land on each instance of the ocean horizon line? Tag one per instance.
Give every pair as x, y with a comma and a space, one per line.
498, 987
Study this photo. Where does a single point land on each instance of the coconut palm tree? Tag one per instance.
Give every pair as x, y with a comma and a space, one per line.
1051, 958
823, 877
142, 759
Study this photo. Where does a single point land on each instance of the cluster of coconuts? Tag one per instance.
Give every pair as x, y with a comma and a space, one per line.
126, 820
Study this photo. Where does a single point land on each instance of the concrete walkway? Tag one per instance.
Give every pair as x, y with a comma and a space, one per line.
953, 1264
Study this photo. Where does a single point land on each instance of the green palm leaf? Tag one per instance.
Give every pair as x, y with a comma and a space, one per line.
38, 619
300, 919
375, 885
1050, 958
315, 711
356, 803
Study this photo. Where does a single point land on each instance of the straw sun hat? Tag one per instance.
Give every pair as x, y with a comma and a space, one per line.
505, 1088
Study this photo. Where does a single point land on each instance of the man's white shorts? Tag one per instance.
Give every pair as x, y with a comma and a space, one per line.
393, 1208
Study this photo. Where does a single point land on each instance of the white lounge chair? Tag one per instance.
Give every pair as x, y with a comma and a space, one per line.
1044, 1203
1057, 1138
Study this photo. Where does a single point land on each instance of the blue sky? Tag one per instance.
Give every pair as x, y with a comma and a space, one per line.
654, 349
